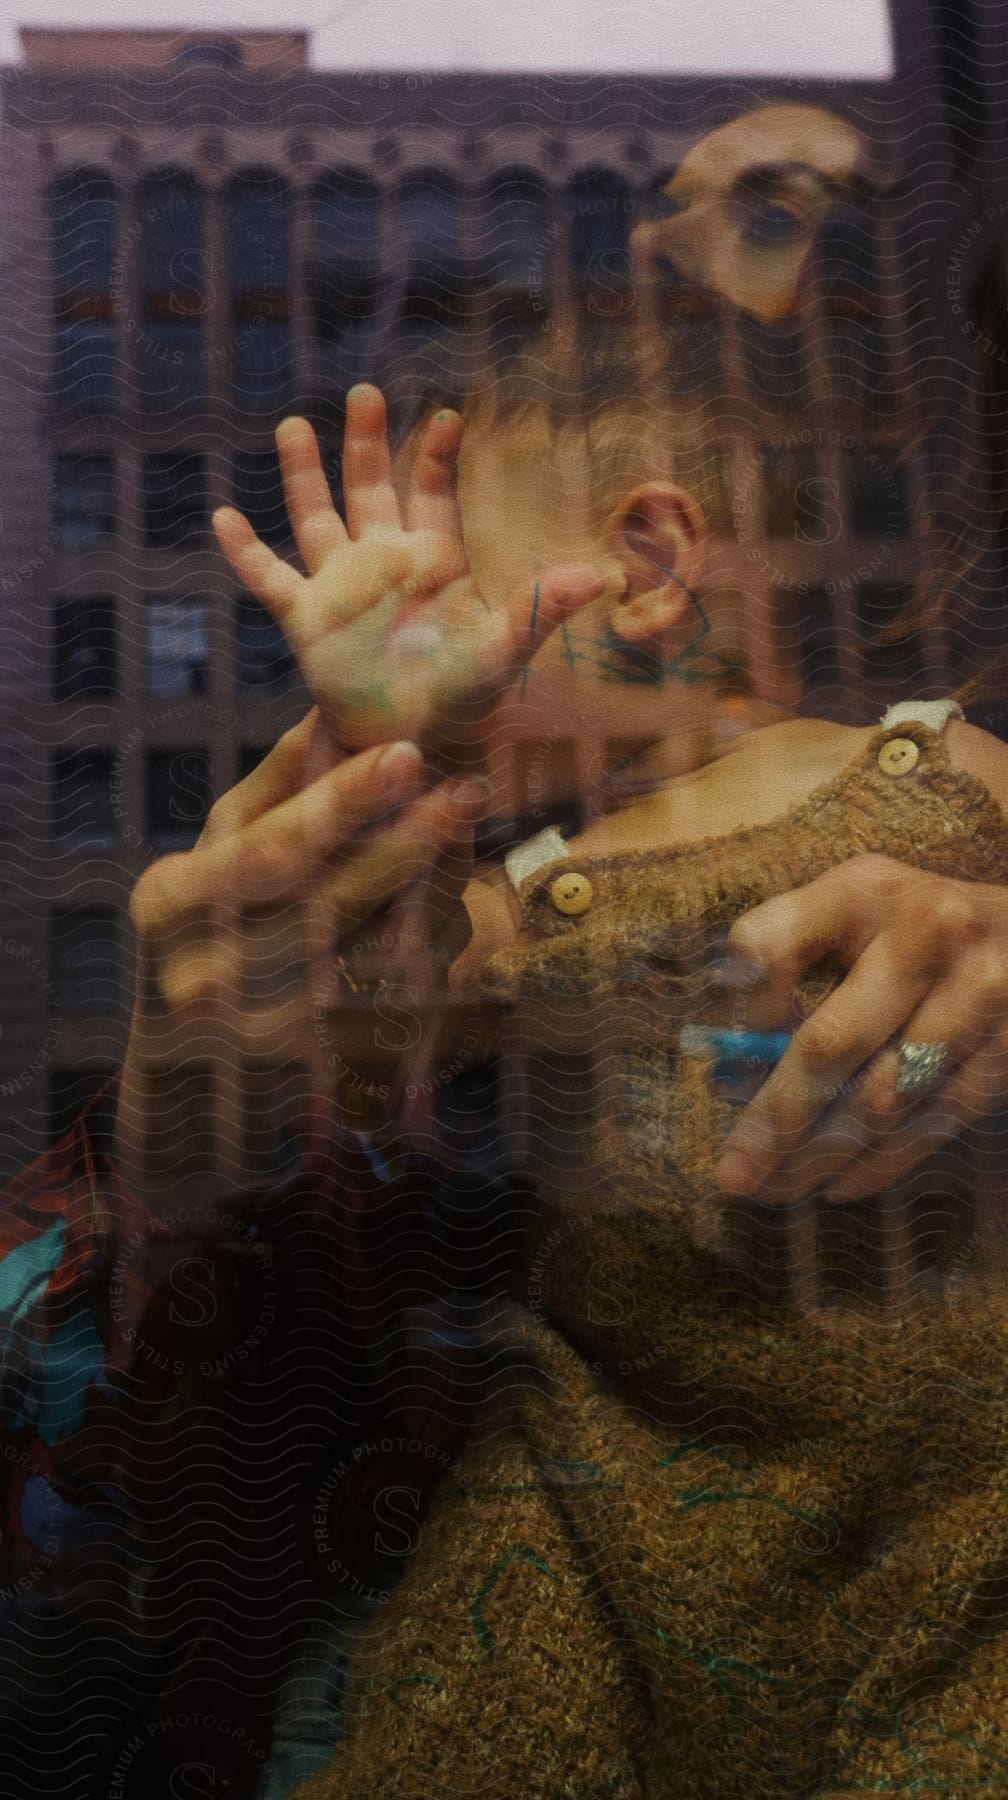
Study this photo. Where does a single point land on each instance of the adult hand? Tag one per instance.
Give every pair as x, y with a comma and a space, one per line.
927, 962
280, 936
393, 636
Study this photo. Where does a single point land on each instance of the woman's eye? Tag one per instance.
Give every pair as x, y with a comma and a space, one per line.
767, 224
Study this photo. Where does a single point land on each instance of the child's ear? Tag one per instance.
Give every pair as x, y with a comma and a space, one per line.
659, 534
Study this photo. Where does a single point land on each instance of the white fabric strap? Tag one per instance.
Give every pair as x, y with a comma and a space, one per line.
934, 713
546, 847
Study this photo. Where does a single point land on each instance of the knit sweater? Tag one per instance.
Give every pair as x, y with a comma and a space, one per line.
714, 1534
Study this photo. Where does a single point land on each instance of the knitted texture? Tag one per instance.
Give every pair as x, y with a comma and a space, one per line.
702, 1542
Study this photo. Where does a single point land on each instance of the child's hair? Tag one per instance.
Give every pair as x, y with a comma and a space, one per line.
601, 390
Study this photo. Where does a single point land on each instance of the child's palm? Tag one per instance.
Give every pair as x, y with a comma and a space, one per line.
392, 634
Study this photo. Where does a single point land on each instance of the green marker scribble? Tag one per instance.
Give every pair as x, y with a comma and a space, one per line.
518, 1553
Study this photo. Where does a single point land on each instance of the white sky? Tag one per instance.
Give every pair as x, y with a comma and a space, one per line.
666, 37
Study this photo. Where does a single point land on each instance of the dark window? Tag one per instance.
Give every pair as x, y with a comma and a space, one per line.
430, 222
343, 278
516, 273
82, 799
436, 299
258, 493
83, 214
84, 499
775, 359
876, 494
798, 502
257, 205
263, 656
174, 286
84, 958
176, 648
807, 638
898, 665
179, 796
860, 363
84, 649
599, 209
175, 507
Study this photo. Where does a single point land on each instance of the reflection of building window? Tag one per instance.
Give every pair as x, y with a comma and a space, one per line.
435, 300
83, 212
82, 800
797, 502
84, 649
258, 272
892, 665
516, 272
179, 795
343, 277
84, 499
775, 358
173, 282
175, 510
598, 207
176, 648
258, 493
860, 362
263, 656
807, 639
876, 493
84, 958
222, 53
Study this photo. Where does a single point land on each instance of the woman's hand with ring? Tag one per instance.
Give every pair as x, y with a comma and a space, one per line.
856, 1101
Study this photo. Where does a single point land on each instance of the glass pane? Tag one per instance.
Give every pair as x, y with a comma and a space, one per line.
177, 648
84, 367
83, 219
263, 657
430, 224
82, 802
179, 795
175, 508
84, 500
84, 649
85, 958
344, 221
258, 493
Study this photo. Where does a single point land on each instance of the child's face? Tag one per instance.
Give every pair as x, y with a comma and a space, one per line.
627, 665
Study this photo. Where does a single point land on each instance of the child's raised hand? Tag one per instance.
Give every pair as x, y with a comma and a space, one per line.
393, 636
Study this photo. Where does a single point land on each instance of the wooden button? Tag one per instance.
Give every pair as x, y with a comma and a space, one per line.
571, 894
898, 756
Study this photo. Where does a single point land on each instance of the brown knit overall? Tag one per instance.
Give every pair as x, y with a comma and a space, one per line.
719, 1533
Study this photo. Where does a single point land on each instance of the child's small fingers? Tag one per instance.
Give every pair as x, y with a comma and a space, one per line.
267, 576
369, 497
317, 526
534, 608
431, 500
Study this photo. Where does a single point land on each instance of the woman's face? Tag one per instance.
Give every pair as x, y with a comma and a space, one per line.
740, 214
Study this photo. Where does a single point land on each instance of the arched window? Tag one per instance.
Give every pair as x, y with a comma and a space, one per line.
599, 215
83, 216
430, 222
222, 53
433, 350
515, 256
343, 277
257, 210
173, 282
